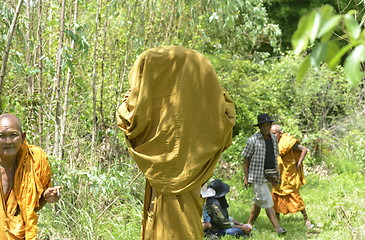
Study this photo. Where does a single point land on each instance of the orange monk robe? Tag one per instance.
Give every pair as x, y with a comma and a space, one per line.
32, 178
177, 120
286, 196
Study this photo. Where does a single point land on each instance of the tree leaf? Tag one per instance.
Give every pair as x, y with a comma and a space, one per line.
352, 27
328, 26
352, 68
300, 40
337, 58
332, 50
314, 23
318, 55
303, 68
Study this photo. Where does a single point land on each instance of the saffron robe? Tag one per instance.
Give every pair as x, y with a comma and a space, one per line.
32, 178
177, 120
286, 196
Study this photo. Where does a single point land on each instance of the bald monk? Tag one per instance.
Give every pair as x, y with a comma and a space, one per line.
177, 120
286, 196
25, 185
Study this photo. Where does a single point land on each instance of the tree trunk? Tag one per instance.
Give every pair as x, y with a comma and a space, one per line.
58, 81
105, 29
94, 133
67, 87
6, 51
122, 76
40, 65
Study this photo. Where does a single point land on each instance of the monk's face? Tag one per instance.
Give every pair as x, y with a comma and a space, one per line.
275, 130
265, 128
11, 137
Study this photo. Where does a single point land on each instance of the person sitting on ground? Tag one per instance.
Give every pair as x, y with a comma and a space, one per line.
25, 183
286, 195
217, 208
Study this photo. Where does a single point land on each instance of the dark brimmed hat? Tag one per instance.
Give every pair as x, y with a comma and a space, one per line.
220, 188
263, 118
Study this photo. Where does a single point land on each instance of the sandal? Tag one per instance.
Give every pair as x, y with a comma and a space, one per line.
310, 226
281, 231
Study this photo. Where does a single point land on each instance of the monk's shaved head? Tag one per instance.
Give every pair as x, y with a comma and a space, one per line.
11, 118
275, 128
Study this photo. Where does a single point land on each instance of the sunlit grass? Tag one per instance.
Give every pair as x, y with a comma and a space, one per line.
335, 204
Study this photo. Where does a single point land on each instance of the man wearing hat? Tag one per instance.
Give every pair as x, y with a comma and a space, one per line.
261, 169
217, 209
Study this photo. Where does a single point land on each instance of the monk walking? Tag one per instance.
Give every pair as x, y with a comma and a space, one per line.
286, 196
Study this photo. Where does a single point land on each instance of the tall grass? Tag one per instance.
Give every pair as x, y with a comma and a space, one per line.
86, 193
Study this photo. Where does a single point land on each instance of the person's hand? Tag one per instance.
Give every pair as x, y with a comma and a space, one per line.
246, 228
246, 182
207, 225
52, 195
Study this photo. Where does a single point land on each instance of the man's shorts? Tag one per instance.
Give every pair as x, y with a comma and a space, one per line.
263, 197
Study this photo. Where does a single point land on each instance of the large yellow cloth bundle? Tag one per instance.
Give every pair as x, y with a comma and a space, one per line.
177, 120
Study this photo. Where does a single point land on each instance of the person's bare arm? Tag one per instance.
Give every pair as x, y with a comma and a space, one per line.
51, 195
303, 153
246, 164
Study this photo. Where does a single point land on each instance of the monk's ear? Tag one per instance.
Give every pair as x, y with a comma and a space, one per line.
24, 134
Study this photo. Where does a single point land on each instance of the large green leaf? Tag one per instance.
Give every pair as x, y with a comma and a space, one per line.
318, 55
332, 50
303, 68
352, 27
299, 39
352, 65
337, 57
313, 25
328, 26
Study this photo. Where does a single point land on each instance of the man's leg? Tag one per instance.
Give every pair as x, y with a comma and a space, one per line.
270, 212
255, 211
278, 216
306, 218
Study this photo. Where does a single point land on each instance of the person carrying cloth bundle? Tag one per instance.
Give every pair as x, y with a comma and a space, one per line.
25, 183
177, 120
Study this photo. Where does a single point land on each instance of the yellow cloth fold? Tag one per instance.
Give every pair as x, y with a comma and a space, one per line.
32, 178
286, 195
177, 120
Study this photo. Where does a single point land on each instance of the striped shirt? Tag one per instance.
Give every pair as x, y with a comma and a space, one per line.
255, 151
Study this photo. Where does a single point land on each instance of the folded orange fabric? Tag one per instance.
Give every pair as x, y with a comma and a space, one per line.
290, 203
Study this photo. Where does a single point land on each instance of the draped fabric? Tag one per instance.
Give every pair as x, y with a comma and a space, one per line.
286, 195
177, 120
32, 178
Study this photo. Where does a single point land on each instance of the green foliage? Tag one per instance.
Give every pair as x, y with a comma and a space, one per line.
320, 25
303, 108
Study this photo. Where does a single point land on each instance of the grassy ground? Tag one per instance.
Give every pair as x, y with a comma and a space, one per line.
335, 204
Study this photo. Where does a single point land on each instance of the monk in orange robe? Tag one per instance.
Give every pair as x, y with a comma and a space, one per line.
177, 120
25, 183
286, 196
